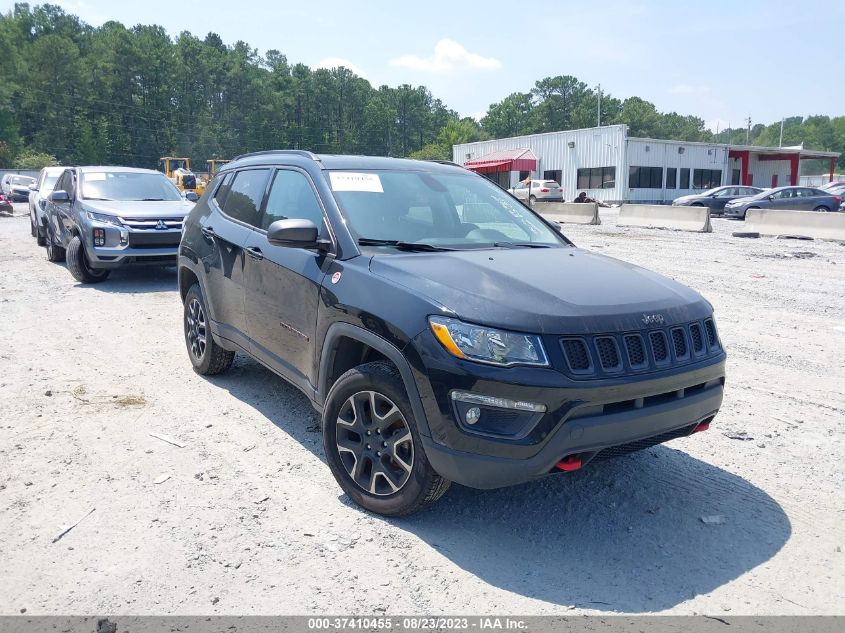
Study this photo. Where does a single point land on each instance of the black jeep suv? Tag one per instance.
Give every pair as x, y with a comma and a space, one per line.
445, 331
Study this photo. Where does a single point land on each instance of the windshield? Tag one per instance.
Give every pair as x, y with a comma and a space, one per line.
22, 180
49, 181
445, 210
123, 185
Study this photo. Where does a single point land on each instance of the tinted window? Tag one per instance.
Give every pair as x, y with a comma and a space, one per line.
706, 178
244, 198
596, 178
223, 190
291, 196
671, 177
684, 178
645, 177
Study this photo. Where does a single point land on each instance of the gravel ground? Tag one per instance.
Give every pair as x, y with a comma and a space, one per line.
249, 519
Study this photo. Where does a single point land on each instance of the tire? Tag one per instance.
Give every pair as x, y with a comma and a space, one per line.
746, 212
207, 357
80, 267
370, 401
32, 230
55, 253
532, 199
821, 207
39, 236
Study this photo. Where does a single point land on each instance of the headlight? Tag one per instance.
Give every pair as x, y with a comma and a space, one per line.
105, 219
488, 345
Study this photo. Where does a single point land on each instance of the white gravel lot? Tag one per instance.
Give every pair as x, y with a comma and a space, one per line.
250, 521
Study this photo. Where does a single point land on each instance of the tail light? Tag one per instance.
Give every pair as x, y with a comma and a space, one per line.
544, 191
837, 200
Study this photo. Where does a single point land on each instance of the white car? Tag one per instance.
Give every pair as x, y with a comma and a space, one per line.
542, 190
15, 187
38, 200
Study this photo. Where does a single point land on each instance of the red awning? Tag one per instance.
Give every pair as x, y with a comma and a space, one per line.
522, 159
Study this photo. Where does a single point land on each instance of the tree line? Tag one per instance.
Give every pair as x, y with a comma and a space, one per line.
75, 94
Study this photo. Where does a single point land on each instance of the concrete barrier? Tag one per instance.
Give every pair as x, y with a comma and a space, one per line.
569, 212
815, 224
663, 216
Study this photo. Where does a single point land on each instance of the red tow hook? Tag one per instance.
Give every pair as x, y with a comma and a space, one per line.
570, 462
701, 426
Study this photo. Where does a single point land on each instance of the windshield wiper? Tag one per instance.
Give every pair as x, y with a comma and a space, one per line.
101, 199
521, 245
150, 200
405, 246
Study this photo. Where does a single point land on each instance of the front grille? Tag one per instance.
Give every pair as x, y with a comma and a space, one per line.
697, 339
154, 239
608, 354
637, 352
145, 224
679, 342
659, 347
576, 354
712, 339
638, 445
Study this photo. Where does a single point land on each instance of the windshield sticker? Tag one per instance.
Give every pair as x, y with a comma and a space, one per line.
95, 176
354, 181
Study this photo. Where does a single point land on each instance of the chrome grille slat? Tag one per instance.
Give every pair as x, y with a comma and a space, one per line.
151, 224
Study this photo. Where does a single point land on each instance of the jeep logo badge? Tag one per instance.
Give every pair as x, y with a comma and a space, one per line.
653, 319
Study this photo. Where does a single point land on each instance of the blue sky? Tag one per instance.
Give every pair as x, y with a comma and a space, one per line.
720, 60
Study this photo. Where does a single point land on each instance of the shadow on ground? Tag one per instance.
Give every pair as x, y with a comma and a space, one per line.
136, 279
625, 535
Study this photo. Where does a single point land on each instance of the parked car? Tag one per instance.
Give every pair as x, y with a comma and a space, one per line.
798, 198
6, 205
444, 331
835, 187
38, 200
100, 218
541, 190
716, 199
16, 187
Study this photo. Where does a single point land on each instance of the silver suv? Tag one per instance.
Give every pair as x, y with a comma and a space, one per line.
100, 218
538, 190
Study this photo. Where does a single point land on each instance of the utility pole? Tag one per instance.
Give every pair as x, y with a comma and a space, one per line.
599, 106
780, 143
748, 131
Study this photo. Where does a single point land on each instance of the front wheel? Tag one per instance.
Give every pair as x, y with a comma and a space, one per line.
80, 267
532, 199
207, 357
372, 444
32, 230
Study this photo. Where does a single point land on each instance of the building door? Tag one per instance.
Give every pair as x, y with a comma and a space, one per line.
774, 180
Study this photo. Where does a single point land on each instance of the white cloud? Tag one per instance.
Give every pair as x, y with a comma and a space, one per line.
448, 55
687, 89
337, 62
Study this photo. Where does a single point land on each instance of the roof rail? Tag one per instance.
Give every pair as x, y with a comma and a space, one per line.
444, 162
298, 152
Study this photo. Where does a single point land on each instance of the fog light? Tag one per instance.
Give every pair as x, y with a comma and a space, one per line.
124, 238
473, 415
99, 237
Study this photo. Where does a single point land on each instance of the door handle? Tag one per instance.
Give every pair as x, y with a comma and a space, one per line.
208, 232
255, 253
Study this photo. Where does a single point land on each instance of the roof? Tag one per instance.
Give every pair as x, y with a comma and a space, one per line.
519, 159
112, 168
335, 161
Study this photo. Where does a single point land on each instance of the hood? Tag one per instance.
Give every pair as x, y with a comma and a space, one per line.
554, 290
140, 209
738, 201
687, 198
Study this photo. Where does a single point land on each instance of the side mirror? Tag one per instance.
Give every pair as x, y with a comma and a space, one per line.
294, 233
59, 196
191, 196
771, 197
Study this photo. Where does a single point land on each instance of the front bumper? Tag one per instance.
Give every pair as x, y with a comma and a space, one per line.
734, 212
583, 418
124, 246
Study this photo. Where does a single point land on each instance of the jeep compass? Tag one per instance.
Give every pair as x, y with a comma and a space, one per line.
444, 331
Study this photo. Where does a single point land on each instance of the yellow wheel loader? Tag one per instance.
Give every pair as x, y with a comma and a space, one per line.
178, 170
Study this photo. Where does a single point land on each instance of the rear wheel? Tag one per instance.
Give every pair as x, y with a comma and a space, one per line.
532, 199
32, 230
55, 253
372, 444
80, 267
821, 207
207, 357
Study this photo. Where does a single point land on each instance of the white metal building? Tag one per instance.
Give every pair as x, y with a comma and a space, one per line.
609, 165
